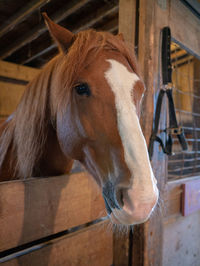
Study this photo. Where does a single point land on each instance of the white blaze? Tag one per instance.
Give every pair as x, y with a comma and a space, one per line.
122, 82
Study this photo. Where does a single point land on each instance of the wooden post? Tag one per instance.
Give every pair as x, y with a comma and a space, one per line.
127, 19
148, 238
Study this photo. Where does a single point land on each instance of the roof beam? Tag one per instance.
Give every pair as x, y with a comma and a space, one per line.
87, 25
40, 29
21, 15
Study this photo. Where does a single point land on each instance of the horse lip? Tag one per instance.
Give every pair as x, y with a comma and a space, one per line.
127, 220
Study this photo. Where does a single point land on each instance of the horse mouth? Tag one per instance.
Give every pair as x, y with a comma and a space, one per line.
125, 215
122, 218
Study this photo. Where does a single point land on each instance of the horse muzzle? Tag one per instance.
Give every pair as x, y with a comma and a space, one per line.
129, 206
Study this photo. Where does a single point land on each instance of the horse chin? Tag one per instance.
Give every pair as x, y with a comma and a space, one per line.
138, 215
122, 218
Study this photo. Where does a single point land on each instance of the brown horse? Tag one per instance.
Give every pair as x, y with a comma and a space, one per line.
84, 106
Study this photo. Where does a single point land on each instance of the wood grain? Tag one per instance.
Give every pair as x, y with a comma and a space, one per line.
90, 246
127, 19
15, 71
190, 36
10, 95
36, 208
151, 20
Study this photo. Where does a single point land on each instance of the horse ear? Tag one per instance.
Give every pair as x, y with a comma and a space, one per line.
120, 36
62, 36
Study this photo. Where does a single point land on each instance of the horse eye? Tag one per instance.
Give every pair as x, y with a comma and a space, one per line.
83, 89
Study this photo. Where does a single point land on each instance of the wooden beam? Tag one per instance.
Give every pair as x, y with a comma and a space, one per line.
21, 15
127, 19
111, 26
40, 29
101, 16
41, 53
86, 25
38, 207
19, 72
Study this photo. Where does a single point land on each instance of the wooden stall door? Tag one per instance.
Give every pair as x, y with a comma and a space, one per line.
169, 238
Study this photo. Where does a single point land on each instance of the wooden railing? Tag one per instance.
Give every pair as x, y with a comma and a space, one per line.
54, 221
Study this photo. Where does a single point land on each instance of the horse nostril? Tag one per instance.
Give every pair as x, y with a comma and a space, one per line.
112, 197
109, 210
119, 197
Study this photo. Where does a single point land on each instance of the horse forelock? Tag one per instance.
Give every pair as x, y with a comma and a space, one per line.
27, 130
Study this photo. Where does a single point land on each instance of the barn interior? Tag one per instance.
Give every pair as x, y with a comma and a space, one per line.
171, 237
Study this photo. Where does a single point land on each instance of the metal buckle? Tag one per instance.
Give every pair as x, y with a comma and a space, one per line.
174, 130
168, 86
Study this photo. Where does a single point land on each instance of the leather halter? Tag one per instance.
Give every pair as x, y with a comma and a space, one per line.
173, 128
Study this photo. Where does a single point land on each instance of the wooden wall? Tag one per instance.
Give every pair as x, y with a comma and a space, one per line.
13, 80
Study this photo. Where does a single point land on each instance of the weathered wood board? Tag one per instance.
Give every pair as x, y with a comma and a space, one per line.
13, 79
191, 197
36, 208
19, 72
90, 246
10, 95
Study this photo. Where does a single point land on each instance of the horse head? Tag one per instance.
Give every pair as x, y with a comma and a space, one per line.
99, 126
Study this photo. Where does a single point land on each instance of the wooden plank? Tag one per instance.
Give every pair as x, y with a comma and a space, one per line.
191, 197
10, 95
35, 208
178, 15
92, 246
173, 196
121, 243
127, 20
21, 15
11, 70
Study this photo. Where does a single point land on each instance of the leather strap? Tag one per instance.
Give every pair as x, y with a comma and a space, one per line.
173, 128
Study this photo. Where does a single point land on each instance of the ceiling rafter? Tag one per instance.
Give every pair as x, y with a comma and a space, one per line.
40, 29
21, 15
87, 25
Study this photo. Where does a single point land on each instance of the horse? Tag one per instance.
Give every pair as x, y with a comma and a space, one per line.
84, 105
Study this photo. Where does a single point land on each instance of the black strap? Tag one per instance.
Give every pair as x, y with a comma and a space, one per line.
173, 128
173, 125
156, 124
166, 56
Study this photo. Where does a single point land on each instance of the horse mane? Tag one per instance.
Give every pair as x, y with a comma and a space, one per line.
26, 131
